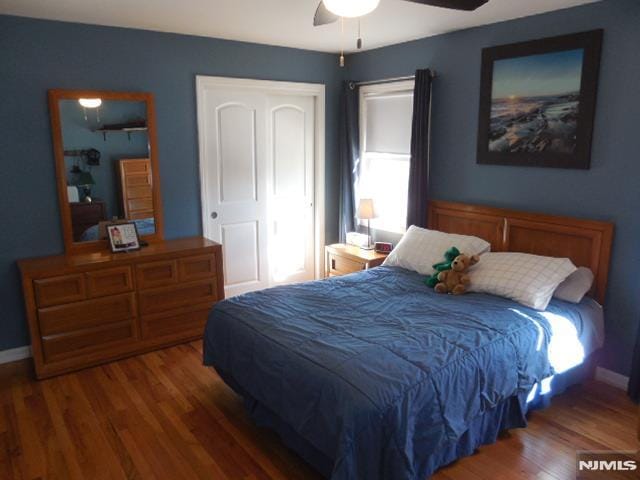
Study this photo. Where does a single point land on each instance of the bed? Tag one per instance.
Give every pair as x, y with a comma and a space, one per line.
372, 375
145, 226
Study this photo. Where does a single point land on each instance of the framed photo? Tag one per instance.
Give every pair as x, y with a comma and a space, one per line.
123, 237
537, 101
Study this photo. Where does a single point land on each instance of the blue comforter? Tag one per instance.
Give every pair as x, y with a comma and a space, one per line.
375, 370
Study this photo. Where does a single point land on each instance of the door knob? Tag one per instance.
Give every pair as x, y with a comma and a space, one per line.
214, 215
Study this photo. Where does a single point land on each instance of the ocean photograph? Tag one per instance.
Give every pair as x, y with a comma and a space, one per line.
535, 102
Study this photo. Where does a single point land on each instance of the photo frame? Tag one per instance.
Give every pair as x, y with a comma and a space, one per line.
123, 237
537, 101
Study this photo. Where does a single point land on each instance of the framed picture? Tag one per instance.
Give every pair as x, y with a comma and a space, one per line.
123, 237
537, 101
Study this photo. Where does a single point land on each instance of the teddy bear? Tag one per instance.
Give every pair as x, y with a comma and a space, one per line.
449, 256
456, 280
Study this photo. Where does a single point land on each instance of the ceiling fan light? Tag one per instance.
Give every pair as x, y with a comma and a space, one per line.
351, 8
90, 102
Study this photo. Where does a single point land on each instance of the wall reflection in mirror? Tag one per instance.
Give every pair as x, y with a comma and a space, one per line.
107, 165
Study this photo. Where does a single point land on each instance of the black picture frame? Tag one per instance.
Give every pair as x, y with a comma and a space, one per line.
115, 245
579, 156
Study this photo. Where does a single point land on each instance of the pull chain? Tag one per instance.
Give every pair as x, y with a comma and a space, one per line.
359, 42
342, 41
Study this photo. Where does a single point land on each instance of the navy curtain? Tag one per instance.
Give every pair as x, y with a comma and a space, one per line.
349, 140
634, 380
419, 164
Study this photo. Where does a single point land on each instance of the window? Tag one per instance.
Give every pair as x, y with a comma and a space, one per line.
385, 146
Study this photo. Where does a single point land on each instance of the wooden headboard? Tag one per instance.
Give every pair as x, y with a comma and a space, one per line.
586, 242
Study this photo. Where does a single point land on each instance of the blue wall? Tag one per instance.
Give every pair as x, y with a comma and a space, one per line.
609, 191
37, 55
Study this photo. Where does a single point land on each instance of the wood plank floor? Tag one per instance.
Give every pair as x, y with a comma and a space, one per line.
163, 415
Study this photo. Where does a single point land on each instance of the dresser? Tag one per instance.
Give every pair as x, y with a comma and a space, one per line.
136, 185
85, 215
341, 259
87, 309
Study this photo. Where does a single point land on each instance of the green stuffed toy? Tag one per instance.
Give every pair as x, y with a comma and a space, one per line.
449, 256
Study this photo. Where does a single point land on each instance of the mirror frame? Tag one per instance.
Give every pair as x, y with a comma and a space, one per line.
55, 95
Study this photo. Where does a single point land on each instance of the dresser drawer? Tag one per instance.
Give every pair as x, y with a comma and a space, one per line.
196, 268
139, 191
59, 290
189, 323
141, 204
160, 300
109, 281
88, 341
338, 265
156, 274
140, 214
87, 314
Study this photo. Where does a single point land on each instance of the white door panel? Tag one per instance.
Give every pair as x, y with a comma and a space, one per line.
236, 140
291, 188
234, 146
241, 253
258, 184
288, 127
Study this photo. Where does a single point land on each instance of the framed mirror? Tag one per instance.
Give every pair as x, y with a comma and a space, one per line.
105, 148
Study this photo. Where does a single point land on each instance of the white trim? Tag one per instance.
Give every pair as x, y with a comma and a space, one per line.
315, 90
612, 378
15, 354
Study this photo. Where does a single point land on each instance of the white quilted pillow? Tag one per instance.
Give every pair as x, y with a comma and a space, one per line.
420, 248
527, 279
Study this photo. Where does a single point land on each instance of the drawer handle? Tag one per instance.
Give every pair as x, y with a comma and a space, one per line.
333, 264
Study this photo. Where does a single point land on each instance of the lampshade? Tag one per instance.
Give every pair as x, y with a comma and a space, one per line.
90, 102
351, 8
365, 209
85, 178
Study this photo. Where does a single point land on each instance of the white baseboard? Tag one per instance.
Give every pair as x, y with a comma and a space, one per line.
612, 378
15, 354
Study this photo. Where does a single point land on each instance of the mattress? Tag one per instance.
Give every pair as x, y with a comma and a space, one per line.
383, 377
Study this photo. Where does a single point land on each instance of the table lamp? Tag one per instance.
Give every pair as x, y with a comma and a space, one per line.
366, 212
85, 181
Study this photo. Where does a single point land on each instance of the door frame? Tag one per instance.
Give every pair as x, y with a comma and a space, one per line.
315, 90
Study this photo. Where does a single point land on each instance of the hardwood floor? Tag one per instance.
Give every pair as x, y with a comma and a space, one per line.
163, 415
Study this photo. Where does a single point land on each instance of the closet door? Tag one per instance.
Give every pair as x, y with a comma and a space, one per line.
290, 187
233, 143
257, 165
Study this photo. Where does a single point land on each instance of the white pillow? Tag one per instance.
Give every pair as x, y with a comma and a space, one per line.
575, 286
527, 279
420, 248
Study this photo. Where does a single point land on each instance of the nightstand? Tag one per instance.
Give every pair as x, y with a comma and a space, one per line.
341, 259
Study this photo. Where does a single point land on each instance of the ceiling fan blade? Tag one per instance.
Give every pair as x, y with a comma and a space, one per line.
323, 16
454, 4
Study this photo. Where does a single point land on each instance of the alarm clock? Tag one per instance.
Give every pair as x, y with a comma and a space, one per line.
383, 247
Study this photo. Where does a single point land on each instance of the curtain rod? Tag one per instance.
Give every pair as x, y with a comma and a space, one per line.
393, 79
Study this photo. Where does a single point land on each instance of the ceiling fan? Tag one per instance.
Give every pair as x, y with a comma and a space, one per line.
330, 11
